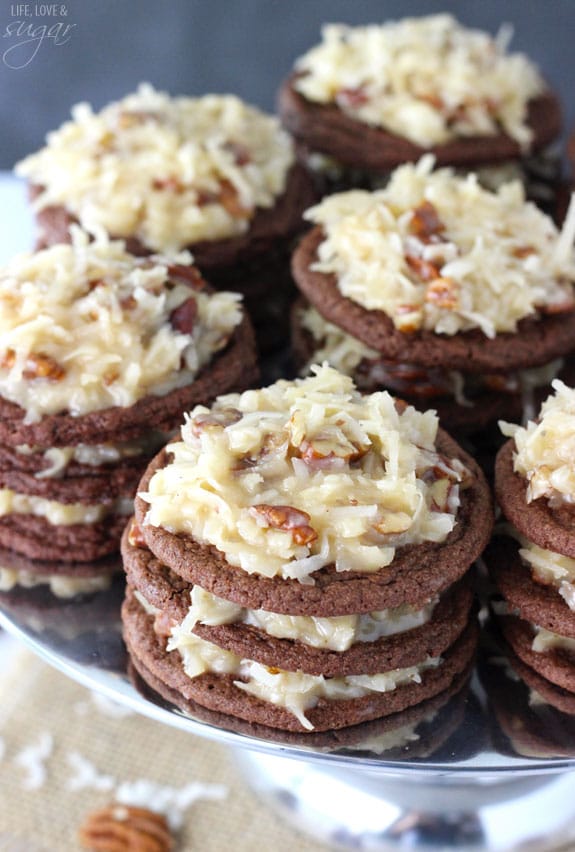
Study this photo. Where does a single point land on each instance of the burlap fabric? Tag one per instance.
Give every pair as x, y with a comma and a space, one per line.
81, 746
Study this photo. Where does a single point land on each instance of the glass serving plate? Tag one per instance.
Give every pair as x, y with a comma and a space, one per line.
489, 769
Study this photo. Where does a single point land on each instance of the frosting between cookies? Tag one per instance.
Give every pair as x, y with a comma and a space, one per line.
60, 585
435, 251
169, 171
337, 633
551, 569
87, 326
299, 475
546, 640
60, 514
429, 79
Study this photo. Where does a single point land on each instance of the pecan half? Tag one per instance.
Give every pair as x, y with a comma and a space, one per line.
125, 828
286, 518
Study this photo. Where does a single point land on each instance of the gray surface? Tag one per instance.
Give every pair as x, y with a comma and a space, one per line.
241, 46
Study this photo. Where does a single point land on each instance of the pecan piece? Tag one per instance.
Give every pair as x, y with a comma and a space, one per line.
321, 449
352, 97
189, 275
41, 366
121, 828
240, 153
8, 359
136, 535
183, 317
171, 184
425, 222
286, 518
443, 293
423, 268
218, 419
229, 198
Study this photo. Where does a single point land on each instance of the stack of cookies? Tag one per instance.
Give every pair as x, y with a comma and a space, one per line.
101, 354
449, 295
369, 98
534, 566
211, 174
299, 558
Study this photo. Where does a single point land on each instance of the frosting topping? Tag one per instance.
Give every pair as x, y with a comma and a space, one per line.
436, 251
427, 79
302, 474
169, 171
87, 326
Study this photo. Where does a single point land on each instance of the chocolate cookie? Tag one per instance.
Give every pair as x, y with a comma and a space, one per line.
327, 129
166, 591
217, 692
534, 602
555, 665
549, 527
536, 342
416, 574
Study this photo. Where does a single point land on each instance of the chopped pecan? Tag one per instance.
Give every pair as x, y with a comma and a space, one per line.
170, 183
8, 359
136, 535
352, 97
189, 275
440, 492
41, 366
443, 293
128, 303
183, 317
229, 198
111, 376
523, 251
240, 153
118, 827
425, 222
163, 624
423, 268
218, 418
325, 448
564, 307
286, 518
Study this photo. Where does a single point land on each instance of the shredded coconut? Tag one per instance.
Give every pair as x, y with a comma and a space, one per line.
550, 569
171, 802
32, 760
295, 691
305, 473
545, 641
85, 776
427, 79
87, 326
169, 171
337, 633
545, 449
436, 251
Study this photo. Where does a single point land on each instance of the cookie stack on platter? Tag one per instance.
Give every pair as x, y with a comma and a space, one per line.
101, 354
369, 98
451, 296
213, 175
534, 567
299, 558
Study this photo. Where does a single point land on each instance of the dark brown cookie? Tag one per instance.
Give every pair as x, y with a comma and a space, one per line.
233, 369
36, 538
397, 651
416, 574
437, 718
485, 407
217, 692
15, 561
552, 528
539, 604
557, 697
326, 129
536, 342
556, 666
81, 484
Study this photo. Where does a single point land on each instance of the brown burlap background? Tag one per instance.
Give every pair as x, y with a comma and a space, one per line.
38, 703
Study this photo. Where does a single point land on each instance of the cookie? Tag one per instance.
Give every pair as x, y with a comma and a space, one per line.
218, 692
416, 574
